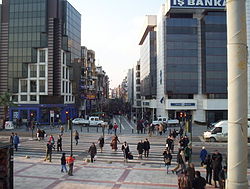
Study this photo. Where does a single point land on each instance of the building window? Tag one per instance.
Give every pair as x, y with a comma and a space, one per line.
42, 86
15, 98
66, 87
33, 70
23, 86
42, 70
67, 70
66, 98
63, 72
64, 58
69, 87
23, 97
42, 56
63, 86
32, 97
33, 86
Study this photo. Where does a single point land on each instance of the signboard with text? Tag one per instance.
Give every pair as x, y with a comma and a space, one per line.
206, 4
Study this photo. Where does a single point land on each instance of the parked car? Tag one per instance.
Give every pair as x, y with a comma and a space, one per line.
219, 132
160, 120
92, 121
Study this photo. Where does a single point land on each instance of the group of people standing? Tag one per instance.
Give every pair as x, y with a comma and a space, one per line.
213, 165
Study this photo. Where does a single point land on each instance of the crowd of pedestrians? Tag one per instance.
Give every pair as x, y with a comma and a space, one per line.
176, 142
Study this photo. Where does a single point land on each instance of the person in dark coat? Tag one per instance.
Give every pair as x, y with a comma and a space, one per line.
203, 155
185, 141
146, 147
125, 149
48, 152
170, 144
223, 177
101, 142
63, 163
181, 132
59, 143
139, 126
92, 151
167, 158
174, 134
16, 141
140, 149
11, 139
217, 166
199, 182
209, 168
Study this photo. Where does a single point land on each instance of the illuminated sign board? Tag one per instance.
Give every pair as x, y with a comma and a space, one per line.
207, 4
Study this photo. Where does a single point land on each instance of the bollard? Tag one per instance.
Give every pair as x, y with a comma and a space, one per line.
81, 127
88, 128
132, 131
97, 129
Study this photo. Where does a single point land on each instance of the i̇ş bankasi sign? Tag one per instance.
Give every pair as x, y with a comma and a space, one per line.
214, 4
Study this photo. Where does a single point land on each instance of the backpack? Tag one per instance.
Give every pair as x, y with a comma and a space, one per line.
183, 182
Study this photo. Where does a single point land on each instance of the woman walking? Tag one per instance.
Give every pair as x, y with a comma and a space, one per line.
113, 143
125, 149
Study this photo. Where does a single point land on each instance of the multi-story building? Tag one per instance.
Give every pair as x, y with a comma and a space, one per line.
102, 87
148, 67
192, 60
88, 81
130, 78
39, 41
137, 90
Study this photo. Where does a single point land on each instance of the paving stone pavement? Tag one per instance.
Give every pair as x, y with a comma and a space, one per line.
108, 171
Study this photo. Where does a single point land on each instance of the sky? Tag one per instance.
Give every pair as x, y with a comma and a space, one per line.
112, 29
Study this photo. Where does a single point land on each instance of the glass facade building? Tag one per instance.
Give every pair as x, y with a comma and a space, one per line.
214, 53
181, 56
148, 66
39, 42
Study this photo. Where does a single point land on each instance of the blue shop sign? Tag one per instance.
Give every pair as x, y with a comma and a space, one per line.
182, 104
207, 4
189, 104
175, 104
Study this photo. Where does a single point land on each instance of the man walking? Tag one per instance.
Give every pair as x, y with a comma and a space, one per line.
16, 141
146, 147
59, 143
11, 139
92, 151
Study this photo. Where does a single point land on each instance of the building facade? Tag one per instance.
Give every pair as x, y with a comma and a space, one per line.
148, 67
192, 61
40, 40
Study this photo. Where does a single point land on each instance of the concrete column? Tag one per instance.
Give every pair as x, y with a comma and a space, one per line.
237, 95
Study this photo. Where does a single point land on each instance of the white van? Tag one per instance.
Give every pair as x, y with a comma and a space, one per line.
219, 132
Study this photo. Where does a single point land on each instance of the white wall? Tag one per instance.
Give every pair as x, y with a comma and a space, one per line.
160, 64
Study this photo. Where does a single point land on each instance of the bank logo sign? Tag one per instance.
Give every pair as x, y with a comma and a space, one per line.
207, 4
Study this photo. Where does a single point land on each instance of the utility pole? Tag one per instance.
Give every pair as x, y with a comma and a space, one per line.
237, 95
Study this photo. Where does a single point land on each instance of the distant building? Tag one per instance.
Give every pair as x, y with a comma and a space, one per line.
40, 40
137, 90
